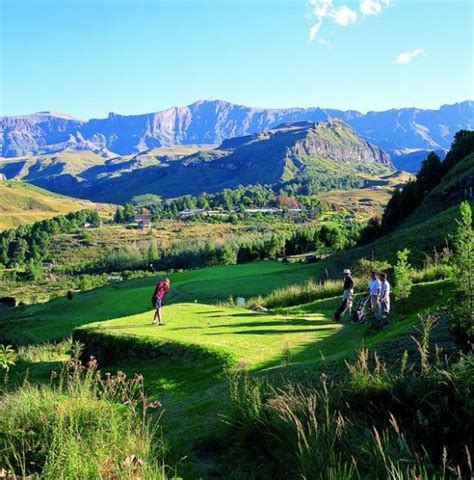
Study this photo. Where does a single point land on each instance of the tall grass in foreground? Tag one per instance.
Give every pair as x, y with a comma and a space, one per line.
82, 426
407, 421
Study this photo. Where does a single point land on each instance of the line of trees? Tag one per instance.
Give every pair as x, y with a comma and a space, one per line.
242, 249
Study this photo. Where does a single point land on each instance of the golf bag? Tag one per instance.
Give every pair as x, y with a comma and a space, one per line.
359, 315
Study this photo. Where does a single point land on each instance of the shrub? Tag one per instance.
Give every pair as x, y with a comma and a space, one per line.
382, 420
462, 304
298, 294
403, 275
364, 266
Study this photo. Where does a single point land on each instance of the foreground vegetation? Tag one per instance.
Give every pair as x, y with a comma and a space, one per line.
410, 419
80, 425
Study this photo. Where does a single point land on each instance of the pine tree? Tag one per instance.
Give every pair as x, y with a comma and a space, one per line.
430, 173
33, 271
19, 251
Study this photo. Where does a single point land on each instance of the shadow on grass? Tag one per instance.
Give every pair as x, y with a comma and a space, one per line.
269, 331
272, 323
37, 372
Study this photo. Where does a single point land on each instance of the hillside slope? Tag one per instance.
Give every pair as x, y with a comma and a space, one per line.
214, 121
301, 152
21, 204
430, 225
321, 156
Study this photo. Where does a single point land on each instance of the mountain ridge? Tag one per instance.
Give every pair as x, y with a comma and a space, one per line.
213, 121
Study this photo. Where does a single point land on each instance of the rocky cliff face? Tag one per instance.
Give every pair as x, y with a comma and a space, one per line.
214, 121
334, 140
31, 134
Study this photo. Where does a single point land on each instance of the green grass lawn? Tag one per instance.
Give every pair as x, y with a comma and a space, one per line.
253, 339
58, 318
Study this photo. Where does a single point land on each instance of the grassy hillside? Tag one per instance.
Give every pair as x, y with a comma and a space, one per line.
367, 202
456, 186
317, 157
21, 204
430, 225
38, 166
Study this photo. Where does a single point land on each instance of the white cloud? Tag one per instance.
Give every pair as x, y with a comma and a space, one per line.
342, 15
314, 29
406, 57
321, 9
373, 7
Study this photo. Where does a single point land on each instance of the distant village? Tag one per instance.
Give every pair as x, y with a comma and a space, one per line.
219, 213
144, 217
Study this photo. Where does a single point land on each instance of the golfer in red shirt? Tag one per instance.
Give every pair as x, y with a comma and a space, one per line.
161, 289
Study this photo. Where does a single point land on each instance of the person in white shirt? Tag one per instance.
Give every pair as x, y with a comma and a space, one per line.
374, 290
384, 294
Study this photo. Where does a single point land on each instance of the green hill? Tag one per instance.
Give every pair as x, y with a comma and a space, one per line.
429, 226
22, 203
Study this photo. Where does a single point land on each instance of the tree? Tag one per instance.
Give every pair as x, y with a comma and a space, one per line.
118, 217
430, 173
33, 271
4, 248
227, 255
128, 212
402, 273
461, 305
94, 218
153, 253
19, 249
283, 201
275, 247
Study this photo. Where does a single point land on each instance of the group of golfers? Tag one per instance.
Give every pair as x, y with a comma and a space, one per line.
378, 298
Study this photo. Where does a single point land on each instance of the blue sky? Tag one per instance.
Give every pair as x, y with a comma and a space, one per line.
91, 57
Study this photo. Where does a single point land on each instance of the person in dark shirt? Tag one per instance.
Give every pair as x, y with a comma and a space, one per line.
161, 289
347, 296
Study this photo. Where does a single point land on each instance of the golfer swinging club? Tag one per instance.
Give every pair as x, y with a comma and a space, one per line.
161, 289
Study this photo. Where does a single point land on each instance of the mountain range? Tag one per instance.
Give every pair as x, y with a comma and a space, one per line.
305, 157
398, 131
